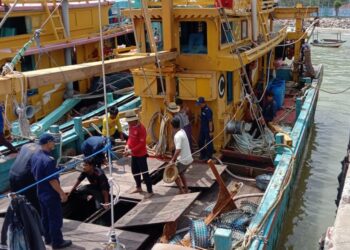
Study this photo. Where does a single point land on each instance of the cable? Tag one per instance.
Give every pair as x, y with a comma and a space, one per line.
335, 93
69, 166
8, 14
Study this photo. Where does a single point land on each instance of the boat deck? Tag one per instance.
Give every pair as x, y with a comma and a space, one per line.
89, 236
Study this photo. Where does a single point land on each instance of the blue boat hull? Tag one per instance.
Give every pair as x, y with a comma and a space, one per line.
274, 204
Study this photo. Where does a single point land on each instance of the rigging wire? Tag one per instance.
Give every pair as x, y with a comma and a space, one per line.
112, 231
8, 14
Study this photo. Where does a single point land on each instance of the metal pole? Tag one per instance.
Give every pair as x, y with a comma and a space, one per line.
112, 233
68, 51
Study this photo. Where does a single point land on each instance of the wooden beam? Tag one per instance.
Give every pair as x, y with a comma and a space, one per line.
43, 77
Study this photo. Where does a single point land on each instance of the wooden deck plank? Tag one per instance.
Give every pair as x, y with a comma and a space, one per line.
90, 236
124, 180
198, 175
157, 210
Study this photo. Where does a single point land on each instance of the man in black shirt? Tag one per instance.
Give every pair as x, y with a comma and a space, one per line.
98, 187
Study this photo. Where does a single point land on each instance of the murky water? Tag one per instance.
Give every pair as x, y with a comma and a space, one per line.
312, 208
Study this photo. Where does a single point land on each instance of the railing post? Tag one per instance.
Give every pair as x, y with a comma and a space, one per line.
298, 105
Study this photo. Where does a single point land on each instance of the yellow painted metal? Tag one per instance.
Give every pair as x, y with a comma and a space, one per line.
292, 13
198, 74
84, 24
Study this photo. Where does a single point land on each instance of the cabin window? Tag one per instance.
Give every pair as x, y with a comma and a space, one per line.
27, 63
193, 37
16, 26
244, 29
157, 36
160, 87
235, 30
229, 87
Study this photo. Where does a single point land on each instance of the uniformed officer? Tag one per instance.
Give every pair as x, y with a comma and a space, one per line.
21, 175
206, 130
50, 192
92, 145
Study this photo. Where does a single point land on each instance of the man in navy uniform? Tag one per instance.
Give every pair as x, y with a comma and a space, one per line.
21, 175
206, 131
50, 192
92, 145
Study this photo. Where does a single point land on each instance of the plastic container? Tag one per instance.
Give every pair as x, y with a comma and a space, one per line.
278, 88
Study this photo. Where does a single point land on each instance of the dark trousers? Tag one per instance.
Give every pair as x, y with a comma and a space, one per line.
94, 191
7, 144
52, 219
117, 135
188, 131
204, 138
139, 165
17, 183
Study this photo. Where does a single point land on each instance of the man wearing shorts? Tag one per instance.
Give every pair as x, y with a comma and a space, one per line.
182, 156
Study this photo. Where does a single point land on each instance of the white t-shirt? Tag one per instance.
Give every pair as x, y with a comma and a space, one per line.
181, 142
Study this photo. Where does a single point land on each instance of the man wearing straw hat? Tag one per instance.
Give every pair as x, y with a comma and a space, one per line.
181, 115
182, 156
136, 146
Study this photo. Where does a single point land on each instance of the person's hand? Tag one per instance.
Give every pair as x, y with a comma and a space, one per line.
106, 206
127, 151
64, 197
211, 134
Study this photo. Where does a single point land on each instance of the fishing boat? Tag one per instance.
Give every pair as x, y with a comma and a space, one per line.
38, 35
230, 54
330, 43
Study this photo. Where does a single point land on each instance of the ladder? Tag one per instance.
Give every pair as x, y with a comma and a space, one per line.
56, 22
263, 25
244, 78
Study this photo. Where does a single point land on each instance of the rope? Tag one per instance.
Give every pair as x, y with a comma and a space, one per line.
8, 14
251, 233
335, 93
8, 68
268, 78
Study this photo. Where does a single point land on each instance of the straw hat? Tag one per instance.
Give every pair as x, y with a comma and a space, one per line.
131, 116
170, 173
173, 108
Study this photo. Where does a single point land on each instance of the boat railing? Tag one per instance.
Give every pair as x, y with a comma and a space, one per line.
50, 2
239, 6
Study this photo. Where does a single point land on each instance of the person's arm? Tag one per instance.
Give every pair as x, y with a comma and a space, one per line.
104, 127
56, 186
105, 195
176, 154
104, 187
77, 183
211, 124
119, 127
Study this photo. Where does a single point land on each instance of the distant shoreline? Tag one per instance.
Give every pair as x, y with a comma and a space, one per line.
326, 23
339, 23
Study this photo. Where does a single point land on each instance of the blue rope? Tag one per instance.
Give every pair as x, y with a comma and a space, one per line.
69, 166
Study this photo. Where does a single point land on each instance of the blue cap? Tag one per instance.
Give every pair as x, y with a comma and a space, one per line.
200, 100
46, 138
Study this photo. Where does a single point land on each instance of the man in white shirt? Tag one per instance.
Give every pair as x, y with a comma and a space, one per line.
182, 156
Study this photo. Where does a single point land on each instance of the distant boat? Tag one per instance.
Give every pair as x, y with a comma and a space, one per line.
331, 43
